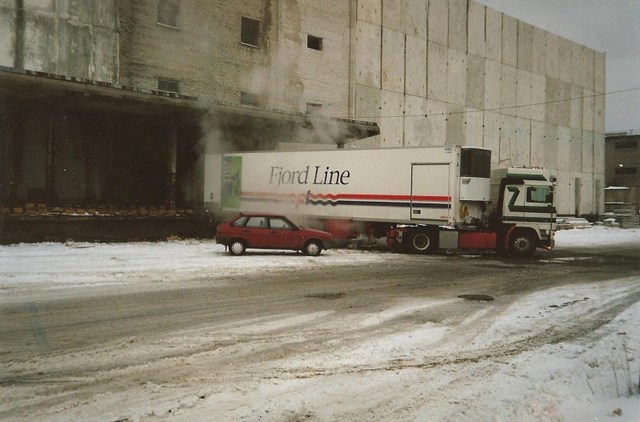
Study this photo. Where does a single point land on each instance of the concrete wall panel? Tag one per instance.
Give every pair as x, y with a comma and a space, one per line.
575, 150
436, 127
525, 46
523, 94
475, 81
416, 18
393, 15
491, 137
600, 81
370, 11
492, 85
577, 93
538, 97
368, 102
456, 131
521, 147
538, 51
538, 144
393, 54
551, 143
598, 154
457, 68
508, 90
588, 110
507, 140
558, 97
564, 59
415, 123
474, 130
564, 148
493, 35
587, 152
598, 114
438, 22
437, 73
8, 36
509, 40
458, 25
391, 124
552, 55
477, 29
588, 63
368, 54
416, 73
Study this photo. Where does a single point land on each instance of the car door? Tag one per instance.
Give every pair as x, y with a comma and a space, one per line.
283, 234
256, 232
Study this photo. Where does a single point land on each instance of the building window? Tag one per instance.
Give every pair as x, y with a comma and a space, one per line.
250, 32
248, 98
168, 13
314, 43
313, 108
167, 85
626, 144
626, 170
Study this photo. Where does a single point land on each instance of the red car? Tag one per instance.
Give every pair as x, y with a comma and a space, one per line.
270, 231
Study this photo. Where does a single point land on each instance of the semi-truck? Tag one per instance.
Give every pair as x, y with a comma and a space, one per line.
421, 199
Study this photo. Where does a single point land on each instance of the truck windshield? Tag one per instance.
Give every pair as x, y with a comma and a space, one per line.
540, 194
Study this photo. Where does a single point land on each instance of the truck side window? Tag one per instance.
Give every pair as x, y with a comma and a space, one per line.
539, 194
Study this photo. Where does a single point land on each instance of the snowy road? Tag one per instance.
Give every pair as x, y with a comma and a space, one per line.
180, 331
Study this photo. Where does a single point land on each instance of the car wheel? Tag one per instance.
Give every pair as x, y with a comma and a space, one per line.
421, 242
237, 247
312, 248
522, 244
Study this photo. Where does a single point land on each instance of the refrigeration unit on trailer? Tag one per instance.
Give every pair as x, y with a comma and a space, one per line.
425, 198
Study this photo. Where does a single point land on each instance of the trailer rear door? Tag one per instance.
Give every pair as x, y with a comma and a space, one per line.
430, 192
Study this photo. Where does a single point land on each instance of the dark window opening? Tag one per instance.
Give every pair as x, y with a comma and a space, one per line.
168, 85
314, 43
313, 108
250, 31
247, 98
626, 170
168, 13
626, 144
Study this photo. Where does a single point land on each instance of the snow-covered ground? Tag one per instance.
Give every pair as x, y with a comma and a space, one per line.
594, 378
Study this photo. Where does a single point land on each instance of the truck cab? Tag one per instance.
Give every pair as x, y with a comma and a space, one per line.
525, 213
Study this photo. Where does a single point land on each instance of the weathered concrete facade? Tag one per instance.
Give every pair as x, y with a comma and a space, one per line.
95, 96
455, 72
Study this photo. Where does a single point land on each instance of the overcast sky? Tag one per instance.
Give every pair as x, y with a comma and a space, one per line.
609, 26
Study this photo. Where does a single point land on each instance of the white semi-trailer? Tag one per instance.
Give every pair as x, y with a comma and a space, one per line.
421, 198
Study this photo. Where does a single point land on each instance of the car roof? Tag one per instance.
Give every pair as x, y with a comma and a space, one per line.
260, 214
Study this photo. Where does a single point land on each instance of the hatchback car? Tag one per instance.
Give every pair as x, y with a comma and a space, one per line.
270, 231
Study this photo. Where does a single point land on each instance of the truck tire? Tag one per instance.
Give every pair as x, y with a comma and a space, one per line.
312, 248
522, 244
422, 242
237, 247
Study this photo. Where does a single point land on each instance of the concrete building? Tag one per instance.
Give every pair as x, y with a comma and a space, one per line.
456, 72
623, 176
107, 106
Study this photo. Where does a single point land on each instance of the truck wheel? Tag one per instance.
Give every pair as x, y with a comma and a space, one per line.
421, 242
237, 247
312, 248
522, 244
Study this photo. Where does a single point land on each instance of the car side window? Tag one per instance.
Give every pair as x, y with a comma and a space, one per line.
257, 222
240, 222
280, 224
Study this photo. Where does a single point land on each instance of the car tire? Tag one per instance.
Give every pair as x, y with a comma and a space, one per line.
312, 248
237, 247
